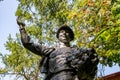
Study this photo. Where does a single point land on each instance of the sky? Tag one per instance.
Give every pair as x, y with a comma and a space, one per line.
8, 26
8, 23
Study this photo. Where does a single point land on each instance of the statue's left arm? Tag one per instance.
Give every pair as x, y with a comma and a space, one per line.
89, 68
90, 65
85, 61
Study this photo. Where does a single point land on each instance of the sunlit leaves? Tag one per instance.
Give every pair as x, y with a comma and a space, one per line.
19, 12
20, 60
96, 23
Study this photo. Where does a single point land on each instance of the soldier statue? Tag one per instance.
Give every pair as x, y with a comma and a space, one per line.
64, 62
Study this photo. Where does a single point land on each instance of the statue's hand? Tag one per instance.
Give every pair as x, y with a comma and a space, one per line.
20, 23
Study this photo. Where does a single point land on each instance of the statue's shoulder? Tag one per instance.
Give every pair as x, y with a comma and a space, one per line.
75, 49
75, 46
82, 49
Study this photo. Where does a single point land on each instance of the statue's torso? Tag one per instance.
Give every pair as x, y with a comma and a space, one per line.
57, 59
58, 67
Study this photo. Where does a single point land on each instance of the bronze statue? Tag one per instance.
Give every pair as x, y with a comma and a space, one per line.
65, 62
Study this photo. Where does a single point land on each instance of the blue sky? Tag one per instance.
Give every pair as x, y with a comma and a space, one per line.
7, 21
8, 26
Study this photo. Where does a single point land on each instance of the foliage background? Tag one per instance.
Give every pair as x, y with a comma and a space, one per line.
95, 23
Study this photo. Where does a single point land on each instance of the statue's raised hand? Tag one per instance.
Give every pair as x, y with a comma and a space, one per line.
20, 23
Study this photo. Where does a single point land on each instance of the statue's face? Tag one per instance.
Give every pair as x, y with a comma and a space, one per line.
64, 36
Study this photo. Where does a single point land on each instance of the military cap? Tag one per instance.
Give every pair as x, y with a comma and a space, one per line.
65, 27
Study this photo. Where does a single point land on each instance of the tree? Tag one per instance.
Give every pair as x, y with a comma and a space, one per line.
95, 24
20, 62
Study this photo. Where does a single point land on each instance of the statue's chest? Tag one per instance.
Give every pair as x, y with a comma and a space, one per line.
57, 59
61, 53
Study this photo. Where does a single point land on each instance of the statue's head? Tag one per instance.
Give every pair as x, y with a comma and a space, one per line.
67, 30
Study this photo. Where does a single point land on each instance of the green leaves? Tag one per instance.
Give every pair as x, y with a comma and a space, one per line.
19, 12
96, 23
19, 61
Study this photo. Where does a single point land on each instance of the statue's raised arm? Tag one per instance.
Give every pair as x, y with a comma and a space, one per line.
27, 42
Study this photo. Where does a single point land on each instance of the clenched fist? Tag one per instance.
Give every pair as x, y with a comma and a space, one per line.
20, 23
